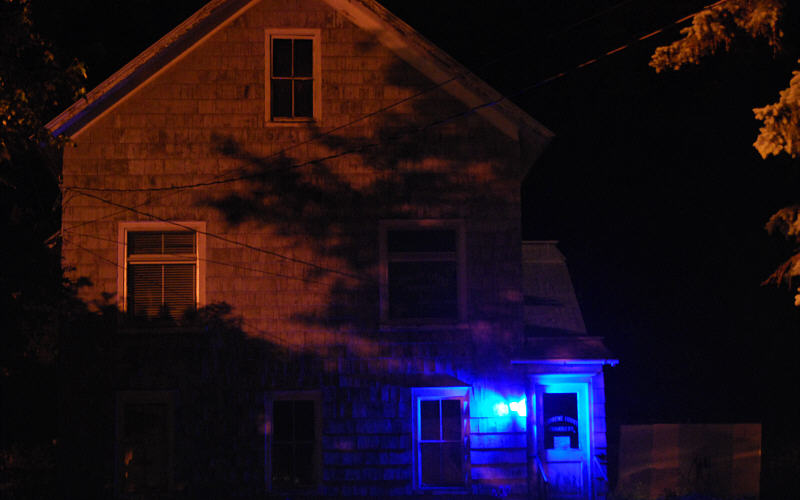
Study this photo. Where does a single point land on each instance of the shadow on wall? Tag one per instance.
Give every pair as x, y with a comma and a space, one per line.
325, 199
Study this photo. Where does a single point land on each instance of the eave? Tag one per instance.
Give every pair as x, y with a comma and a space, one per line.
369, 15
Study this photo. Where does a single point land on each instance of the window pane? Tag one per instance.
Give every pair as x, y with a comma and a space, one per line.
144, 448
304, 421
452, 464
430, 456
560, 420
442, 464
144, 290
423, 290
282, 464
281, 57
451, 419
429, 419
303, 98
179, 289
283, 420
421, 240
303, 57
281, 100
145, 242
304, 464
179, 242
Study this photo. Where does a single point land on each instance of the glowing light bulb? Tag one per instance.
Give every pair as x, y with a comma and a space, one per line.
501, 409
519, 407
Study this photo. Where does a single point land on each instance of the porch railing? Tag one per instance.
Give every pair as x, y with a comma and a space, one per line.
600, 476
542, 484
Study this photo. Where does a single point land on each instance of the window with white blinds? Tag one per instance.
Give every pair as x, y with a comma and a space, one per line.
161, 273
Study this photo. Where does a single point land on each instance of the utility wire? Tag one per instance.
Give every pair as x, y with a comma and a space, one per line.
241, 319
406, 134
362, 148
97, 255
219, 237
506, 55
228, 264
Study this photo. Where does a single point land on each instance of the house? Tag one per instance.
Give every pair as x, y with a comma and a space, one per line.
301, 224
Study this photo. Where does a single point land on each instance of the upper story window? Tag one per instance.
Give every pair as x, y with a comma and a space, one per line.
293, 75
163, 273
422, 268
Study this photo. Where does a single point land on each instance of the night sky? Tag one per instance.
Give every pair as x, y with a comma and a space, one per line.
652, 185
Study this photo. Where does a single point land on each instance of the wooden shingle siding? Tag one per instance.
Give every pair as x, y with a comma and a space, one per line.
293, 247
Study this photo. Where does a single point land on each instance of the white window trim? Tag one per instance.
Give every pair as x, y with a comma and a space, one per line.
427, 393
271, 397
312, 34
166, 398
122, 257
461, 259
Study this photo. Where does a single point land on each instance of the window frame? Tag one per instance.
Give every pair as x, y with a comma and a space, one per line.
419, 394
386, 257
315, 35
166, 398
124, 228
312, 395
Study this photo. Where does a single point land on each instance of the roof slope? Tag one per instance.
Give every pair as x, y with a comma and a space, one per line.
554, 327
551, 307
369, 15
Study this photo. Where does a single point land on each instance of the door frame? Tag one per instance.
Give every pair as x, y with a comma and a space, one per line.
580, 384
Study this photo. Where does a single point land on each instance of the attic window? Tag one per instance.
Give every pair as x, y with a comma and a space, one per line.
293, 63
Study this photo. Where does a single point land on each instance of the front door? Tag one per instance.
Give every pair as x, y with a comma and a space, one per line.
564, 439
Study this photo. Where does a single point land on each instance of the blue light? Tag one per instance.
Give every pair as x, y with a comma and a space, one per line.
519, 407
501, 409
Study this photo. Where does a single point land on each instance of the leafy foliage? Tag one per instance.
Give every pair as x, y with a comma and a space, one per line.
786, 222
781, 130
716, 27
34, 85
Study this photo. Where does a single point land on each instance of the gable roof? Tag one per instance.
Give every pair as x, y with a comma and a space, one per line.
369, 15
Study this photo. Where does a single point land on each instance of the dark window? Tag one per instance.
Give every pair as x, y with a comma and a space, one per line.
294, 444
144, 446
441, 451
561, 421
161, 274
422, 274
292, 78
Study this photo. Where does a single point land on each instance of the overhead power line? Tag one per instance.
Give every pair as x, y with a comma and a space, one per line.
82, 190
171, 190
210, 261
221, 238
403, 135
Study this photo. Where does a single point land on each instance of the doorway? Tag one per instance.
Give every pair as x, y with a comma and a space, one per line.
564, 438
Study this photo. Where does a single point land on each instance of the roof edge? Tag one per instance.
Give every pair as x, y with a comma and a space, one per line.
439, 66
398, 36
125, 80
